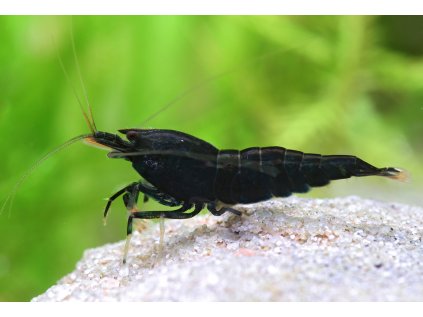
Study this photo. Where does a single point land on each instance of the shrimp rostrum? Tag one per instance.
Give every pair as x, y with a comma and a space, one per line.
180, 170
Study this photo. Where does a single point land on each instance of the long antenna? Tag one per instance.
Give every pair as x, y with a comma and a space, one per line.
90, 125
75, 56
12, 194
219, 75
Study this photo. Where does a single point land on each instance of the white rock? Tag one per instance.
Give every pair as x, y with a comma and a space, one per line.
294, 249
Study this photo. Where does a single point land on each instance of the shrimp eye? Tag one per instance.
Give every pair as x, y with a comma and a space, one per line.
132, 135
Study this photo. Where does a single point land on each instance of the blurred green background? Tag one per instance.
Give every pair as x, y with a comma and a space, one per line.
330, 85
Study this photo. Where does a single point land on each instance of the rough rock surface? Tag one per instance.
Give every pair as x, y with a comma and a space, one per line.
295, 249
